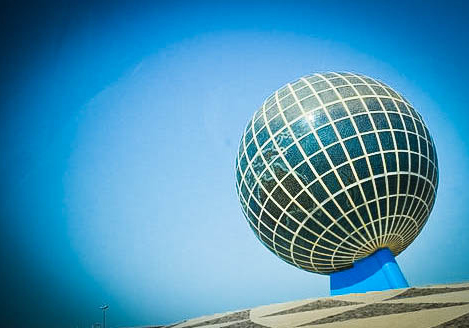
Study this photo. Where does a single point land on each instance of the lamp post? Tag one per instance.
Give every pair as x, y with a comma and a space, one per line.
104, 308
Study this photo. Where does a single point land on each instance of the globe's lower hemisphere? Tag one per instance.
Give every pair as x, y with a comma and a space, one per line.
334, 167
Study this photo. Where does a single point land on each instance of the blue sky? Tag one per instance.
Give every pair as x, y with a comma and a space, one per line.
120, 125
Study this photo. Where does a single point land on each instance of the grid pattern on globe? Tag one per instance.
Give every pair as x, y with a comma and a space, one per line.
333, 167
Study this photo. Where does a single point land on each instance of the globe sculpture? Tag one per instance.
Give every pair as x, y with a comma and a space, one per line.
334, 168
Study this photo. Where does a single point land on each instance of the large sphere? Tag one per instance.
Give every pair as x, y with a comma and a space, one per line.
333, 167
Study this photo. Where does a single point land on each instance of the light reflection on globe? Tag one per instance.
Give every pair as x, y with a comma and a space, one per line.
333, 167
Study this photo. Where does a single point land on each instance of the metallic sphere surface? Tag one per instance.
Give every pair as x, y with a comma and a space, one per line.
333, 167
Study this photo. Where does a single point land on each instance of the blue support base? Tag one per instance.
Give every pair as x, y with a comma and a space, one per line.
376, 272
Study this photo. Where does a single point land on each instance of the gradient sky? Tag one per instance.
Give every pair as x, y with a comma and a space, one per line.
119, 129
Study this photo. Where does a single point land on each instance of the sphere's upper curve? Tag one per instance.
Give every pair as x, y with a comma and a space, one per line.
333, 167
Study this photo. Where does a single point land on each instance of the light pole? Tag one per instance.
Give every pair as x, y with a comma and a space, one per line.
104, 308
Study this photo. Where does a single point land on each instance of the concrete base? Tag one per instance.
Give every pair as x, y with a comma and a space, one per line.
376, 272
442, 306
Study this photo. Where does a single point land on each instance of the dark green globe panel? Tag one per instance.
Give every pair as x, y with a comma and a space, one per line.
334, 167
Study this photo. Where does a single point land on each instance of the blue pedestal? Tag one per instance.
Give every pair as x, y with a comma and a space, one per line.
376, 272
